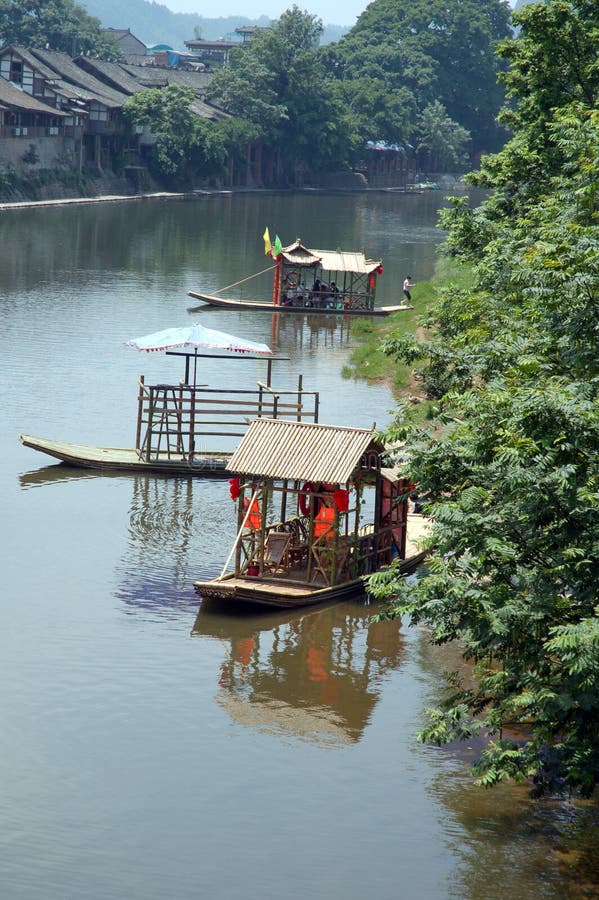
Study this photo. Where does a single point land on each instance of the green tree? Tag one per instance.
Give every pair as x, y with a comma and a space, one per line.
373, 112
186, 144
430, 51
278, 84
512, 479
441, 142
553, 62
62, 24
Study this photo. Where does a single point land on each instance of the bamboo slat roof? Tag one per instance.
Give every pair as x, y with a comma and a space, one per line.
302, 451
330, 260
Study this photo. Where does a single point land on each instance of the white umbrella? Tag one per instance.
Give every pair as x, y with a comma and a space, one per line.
197, 337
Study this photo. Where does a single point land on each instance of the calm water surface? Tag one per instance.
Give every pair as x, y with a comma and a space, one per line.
154, 749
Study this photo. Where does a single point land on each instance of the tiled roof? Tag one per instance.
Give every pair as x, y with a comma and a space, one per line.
12, 96
90, 88
110, 73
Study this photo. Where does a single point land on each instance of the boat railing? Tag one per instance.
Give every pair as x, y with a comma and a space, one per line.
178, 420
289, 548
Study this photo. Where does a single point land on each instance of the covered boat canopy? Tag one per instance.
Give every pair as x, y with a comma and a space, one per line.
328, 260
303, 451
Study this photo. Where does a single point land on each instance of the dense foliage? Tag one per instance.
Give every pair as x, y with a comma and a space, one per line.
278, 84
186, 144
60, 24
512, 480
417, 73
404, 55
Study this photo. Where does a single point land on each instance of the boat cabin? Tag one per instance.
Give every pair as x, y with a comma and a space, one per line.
316, 511
325, 279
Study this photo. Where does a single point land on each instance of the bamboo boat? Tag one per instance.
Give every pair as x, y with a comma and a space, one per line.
329, 479
128, 459
175, 422
329, 282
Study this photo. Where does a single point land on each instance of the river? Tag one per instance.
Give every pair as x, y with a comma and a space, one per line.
155, 749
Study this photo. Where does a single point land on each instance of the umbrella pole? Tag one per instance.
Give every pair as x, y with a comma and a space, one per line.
187, 369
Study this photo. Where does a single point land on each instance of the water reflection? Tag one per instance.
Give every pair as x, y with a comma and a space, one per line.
506, 841
311, 332
315, 674
175, 533
56, 474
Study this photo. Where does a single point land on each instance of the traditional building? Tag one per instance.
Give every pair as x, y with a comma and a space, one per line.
130, 46
27, 122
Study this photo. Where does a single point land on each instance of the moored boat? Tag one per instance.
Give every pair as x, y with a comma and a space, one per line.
128, 459
340, 516
305, 280
176, 422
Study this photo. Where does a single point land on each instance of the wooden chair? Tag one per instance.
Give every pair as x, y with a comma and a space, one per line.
275, 550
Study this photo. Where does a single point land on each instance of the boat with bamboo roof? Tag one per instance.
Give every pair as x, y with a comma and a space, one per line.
317, 512
335, 282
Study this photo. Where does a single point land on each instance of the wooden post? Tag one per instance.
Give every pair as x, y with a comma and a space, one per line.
378, 500
357, 528
180, 447
140, 404
263, 512
300, 384
239, 532
149, 431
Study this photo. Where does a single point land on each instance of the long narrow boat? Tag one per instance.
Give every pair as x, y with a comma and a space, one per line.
341, 516
128, 459
329, 282
262, 306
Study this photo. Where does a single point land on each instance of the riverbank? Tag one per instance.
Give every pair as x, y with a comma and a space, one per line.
109, 198
189, 195
368, 360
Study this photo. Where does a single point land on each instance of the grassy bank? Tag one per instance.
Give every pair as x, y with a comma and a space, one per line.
368, 361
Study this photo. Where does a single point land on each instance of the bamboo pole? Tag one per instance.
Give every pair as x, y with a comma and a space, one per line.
240, 532
249, 278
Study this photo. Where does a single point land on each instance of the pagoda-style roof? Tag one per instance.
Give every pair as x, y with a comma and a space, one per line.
329, 260
303, 451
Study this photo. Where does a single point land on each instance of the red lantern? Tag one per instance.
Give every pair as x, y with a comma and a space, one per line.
234, 488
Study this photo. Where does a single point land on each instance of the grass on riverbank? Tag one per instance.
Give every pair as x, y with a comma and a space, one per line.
368, 361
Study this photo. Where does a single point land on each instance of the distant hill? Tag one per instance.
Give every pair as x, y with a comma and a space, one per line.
154, 23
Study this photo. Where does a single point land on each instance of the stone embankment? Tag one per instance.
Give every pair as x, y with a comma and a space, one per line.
103, 198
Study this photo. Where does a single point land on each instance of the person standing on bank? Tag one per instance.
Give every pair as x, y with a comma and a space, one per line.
407, 284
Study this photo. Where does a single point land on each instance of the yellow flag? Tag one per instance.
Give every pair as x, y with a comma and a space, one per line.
267, 244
